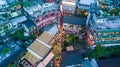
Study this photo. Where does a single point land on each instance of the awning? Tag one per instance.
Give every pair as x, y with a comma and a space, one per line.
46, 60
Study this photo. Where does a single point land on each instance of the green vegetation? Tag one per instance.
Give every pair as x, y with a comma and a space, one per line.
71, 40
5, 50
83, 42
105, 10
115, 11
55, 57
102, 52
16, 4
19, 35
81, 15
63, 46
26, 4
5, 15
83, 30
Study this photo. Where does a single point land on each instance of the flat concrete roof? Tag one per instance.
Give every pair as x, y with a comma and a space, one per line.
74, 20
86, 2
107, 24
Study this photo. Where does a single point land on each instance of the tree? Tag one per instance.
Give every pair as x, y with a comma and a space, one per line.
99, 51
5, 50
69, 39
63, 46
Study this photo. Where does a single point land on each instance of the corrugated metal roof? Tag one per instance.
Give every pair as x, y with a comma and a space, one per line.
53, 30
46, 61
39, 49
45, 37
31, 58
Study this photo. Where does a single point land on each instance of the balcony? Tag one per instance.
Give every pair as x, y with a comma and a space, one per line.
108, 42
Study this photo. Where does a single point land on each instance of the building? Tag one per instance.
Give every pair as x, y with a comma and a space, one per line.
43, 13
5, 26
2, 3
74, 20
111, 62
12, 1
49, 1
103, 30
7, 3
29, 26
83, 6
71, 28
16, 22
113, 3
11, 16
71, 59
69, 6
39, 52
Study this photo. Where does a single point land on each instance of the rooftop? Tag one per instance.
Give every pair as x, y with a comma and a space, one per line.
46, 61
112, 62
86, 2
74, 20
2, 20
17, 20
29, 23
45, 37
38, 49
38, 10
69, 0
2, 2
51, 29
71, 58
111, 23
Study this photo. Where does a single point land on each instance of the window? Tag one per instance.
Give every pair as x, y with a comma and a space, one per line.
46, 16
99, 34
52, 14
64, 25
105, 34
1, 29
37, 20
